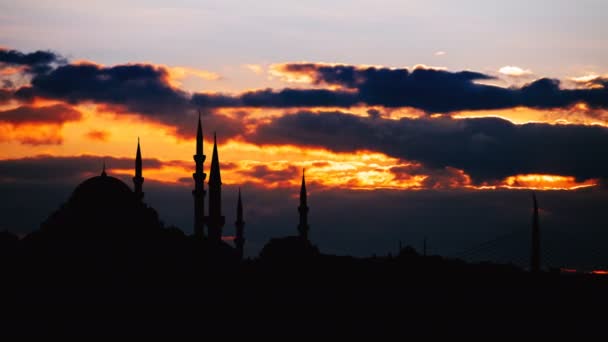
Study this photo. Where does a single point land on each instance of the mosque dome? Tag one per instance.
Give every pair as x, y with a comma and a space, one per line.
103, 206
102, 189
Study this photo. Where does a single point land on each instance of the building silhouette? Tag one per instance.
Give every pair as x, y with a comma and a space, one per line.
297, 247
239, 239
303, 227
104, 207
138, 180
199, 184
215, 221
535, 248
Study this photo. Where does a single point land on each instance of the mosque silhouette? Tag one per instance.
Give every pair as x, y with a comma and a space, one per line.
104, 209
103, 264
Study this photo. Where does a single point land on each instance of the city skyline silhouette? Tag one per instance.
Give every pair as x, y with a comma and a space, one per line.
321, 169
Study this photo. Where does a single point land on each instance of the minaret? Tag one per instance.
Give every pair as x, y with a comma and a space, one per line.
535, 253
138, 180
239, 239
103, 170
303, 209
199, 184
215, 220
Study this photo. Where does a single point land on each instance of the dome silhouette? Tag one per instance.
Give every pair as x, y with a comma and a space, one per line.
100, 207
102, 190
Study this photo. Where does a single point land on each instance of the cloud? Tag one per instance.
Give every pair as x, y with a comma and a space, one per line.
586, 78
255, 68
270, 176
446, 178
514, 71
35, 62
591, 81
140, 88
5, 96
98, 135
487, 149
36, 125
71, 168
440, 53
131, 89
146, 90
177, 74
284, 98
434, 90
56, 114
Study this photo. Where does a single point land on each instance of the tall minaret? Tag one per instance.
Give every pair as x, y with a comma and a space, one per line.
535, 252
303, 209
239, 239
215, 220
138, 180
199, 184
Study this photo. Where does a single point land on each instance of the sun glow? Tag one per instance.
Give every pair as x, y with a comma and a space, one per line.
104, 132
539, 182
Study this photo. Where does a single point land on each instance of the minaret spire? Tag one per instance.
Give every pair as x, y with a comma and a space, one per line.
199, 183
535, 250
239, 239
303, 227
215, 220
138, 180
103, 169
199, 136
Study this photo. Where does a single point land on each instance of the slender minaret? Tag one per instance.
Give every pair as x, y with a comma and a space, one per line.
103, 169
303, 209
215, 220
199, 184
138, 180
239, 239
535, 253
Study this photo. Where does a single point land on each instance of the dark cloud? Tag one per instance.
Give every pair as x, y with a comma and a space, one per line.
133, 89
46, 167
145, 89
446, 178
35, 62
140, 88
271, 176
5, 96
285, 98
435, 90
56, 114
487, 149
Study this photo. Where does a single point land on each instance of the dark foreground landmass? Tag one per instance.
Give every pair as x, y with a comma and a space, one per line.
182, 289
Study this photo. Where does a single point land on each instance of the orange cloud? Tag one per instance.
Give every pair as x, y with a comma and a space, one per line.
31, 134
577, 114
98, 135
546, 182
177, 74
538, 182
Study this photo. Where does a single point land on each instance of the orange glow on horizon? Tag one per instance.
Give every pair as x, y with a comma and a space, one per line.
104, 131
600, 272
578, 114
539, 182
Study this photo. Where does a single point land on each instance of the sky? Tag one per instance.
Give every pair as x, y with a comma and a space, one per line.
413, 119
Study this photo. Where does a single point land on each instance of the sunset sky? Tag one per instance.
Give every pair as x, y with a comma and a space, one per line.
411, 118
